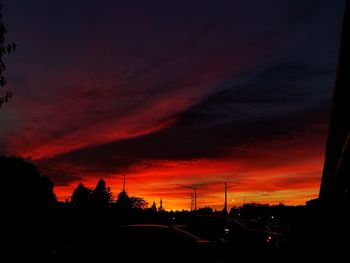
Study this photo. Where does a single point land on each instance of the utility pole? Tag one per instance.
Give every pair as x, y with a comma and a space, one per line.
225, 204
192, 201
192, 195
195, 199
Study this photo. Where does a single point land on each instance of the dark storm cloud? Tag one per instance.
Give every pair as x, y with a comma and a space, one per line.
60, 175
275, 103
285, 84
93, 79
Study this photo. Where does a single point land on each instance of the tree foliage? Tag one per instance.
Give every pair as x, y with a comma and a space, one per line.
101, 195
154, 207
81, 196
124, 202
138, 202
4, 48
22, 185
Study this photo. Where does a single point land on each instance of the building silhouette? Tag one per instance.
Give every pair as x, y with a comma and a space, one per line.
335, 184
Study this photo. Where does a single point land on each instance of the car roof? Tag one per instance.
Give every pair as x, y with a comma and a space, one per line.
147, 225
177, 228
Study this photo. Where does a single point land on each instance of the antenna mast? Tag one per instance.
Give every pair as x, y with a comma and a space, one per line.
124, 183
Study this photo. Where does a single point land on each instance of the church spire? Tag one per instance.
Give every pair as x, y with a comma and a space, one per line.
124, 179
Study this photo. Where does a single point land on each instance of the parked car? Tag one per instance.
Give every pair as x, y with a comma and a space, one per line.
234, 239
138, 243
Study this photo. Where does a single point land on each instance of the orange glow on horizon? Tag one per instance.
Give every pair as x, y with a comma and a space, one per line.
291, 184
277, 171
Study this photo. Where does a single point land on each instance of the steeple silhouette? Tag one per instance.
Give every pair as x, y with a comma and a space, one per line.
160, 205
124, 179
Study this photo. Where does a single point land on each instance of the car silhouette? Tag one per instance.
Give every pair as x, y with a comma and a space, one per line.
138, 243
235, 238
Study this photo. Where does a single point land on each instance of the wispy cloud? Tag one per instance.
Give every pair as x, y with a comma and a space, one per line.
172, 93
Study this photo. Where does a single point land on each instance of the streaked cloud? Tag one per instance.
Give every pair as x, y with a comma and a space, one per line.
176, 93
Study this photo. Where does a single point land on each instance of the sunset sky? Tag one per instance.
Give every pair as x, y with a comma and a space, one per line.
173, 93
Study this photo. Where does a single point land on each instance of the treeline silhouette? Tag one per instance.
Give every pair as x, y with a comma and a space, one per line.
25, 187
26, 190
35, 223
102, 197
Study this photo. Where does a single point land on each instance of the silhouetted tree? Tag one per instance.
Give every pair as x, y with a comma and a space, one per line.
138, 202
126, 203
22, 185
101, 196
4, 49
81, 196
123, 201
154, 207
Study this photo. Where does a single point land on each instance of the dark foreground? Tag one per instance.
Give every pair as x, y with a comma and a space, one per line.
66, 235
